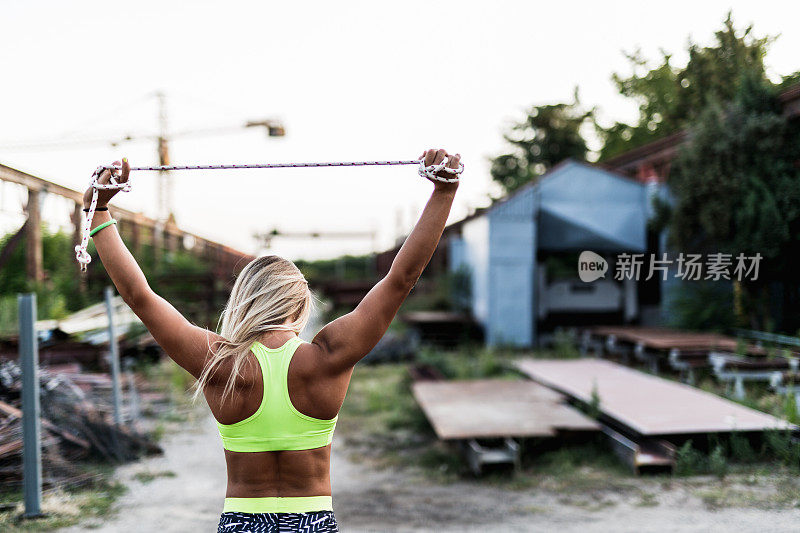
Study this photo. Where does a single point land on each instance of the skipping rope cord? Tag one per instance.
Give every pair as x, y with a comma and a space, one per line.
82, 255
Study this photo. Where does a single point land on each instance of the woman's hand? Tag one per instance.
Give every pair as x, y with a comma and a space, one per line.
105, 195
435, 157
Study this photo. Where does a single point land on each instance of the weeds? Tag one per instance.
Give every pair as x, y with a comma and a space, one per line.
790, 410
782, 445
717, 462
384, 425
593, 409
740, 449
647, 499
61, 507
690, 461
564, 346
148, 476
469, 363
783, 494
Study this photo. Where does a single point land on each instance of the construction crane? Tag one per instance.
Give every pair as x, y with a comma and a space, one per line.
266, 238
273, 127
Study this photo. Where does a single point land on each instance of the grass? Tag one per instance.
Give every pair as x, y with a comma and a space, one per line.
577, 469
592, 503
148, 476
470, 362
166, 375
61, 508
782, 493
647, 499
381, 421
383, 425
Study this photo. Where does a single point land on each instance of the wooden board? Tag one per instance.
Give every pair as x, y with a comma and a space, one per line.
497, 408
647, 404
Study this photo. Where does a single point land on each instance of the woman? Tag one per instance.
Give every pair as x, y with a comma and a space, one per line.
276, 398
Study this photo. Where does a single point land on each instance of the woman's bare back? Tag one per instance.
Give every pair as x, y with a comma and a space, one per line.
286, 472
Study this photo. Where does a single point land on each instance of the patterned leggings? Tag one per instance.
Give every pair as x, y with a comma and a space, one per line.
312, 522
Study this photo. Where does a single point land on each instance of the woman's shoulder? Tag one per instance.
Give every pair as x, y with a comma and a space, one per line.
308, 358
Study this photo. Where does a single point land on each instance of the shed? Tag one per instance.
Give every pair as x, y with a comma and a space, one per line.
572, 208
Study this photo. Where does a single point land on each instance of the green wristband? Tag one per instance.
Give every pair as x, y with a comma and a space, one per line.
101, 226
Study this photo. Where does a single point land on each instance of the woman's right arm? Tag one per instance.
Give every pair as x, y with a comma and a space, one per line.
185, 343
346, 340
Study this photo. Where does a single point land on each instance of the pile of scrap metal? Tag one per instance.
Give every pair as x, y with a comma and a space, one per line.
76, 423
82, 337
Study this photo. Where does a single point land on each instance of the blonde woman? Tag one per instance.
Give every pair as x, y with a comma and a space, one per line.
276, 398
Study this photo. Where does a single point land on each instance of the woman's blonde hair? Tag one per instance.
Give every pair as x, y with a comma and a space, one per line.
270, 294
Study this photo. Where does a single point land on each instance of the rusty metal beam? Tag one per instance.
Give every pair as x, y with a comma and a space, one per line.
219, 253
34, 269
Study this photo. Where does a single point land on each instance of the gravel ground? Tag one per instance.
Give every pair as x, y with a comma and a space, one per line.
183, 491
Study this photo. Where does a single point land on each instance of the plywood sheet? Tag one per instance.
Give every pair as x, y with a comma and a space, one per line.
497, 408
645, 403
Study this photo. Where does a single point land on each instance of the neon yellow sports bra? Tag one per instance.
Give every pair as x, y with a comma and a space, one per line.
276, 425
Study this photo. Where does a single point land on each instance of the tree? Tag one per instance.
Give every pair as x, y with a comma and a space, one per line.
60, 292
548, 135
670, 97
736, 186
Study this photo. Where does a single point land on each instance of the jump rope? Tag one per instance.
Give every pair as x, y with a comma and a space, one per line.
82, 255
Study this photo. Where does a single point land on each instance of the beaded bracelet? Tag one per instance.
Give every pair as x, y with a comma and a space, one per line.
101, 226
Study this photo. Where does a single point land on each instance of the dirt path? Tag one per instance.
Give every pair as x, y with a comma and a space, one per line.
183, 492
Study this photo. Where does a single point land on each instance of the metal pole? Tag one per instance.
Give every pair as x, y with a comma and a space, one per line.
114, 352
133, 396
31, 424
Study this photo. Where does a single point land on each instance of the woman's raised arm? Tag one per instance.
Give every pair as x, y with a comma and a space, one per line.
346, 340
185, 343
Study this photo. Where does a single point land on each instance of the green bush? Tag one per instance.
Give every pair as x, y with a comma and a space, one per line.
740, 448
698, 305
346, 267
61, 292
470, 362
564, 346
781, 444
8, 315
717, 462
790, 409
689, 461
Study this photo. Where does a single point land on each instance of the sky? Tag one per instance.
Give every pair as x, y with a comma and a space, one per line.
350, 81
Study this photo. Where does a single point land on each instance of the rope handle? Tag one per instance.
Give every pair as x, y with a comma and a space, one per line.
424, 171
432, 172
82, 255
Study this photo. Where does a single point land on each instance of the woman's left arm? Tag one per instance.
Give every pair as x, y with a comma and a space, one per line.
187, 344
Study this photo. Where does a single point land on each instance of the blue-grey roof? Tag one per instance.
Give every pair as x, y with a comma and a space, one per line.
582, 207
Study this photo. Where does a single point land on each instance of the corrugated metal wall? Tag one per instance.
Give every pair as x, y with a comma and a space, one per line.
578, 206
473, 255
512, 252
